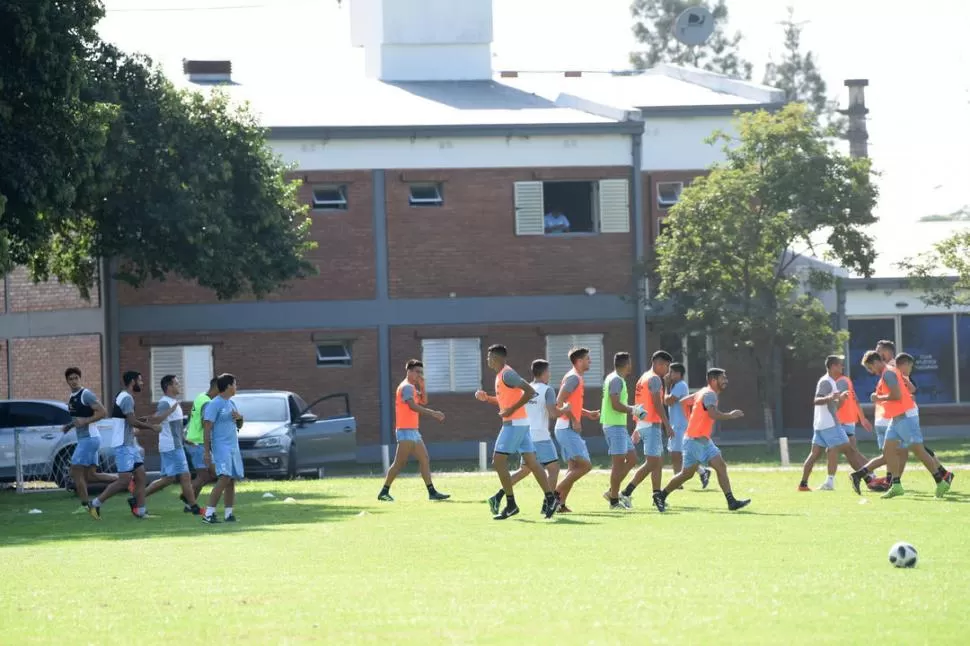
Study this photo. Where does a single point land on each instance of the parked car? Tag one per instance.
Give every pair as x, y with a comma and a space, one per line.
282, 436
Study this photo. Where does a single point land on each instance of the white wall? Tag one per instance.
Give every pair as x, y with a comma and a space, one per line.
437, 22
883, 302
677, 143
457, 152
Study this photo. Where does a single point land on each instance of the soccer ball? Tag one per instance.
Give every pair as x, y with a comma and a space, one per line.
903, 555
639, 411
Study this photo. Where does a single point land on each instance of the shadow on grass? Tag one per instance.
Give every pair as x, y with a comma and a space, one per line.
59, 523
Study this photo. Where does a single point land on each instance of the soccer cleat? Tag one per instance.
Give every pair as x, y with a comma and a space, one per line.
626, 501
617, 507
942, 487
195, 510
705, 478
437, 495
95, 512
826, 486
895, 490
231, 518
210, 519
385, 497
606, 496
736, 504
493, 504
133, 505
508, 512
548, 509
856, 479
804, 488
659, 502
83, 509
878, 484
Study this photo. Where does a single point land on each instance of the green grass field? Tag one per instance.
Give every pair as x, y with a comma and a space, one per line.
336, 566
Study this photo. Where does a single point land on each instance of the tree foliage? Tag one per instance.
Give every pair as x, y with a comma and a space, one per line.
943, 272
123, 165
729, 260
653, 27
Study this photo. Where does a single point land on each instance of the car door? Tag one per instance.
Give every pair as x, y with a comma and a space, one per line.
334, 431
309, 441
41, 425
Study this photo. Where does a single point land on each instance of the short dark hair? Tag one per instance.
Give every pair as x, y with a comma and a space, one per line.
870, 357
661, 355
833, 359
130, 377
679, 368
577, 353
72, 371
621, 359
539, 366
225, 380
167, 381
886, 343
414, 363
498, 350
714, 373
904, 357
214, 382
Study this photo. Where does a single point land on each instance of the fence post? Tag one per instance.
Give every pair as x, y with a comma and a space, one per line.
783, 447
18, 461
385, 458
483, 456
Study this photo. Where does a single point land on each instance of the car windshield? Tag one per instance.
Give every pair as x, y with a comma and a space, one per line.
262, 409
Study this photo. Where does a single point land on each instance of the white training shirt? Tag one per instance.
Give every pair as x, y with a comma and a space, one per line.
824, 417
165, 440
538, 412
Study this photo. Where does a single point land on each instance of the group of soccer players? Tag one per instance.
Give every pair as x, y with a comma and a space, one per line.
527, 408
897, 424
209, 450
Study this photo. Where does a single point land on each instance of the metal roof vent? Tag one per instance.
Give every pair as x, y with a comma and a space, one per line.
207, 71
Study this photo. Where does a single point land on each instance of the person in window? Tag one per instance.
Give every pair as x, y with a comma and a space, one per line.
557, 222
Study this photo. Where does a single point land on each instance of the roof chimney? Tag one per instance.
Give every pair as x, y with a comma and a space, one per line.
424, 40
857, 134
207, 71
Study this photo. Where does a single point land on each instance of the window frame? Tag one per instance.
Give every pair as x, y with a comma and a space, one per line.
594, 209
329, 205
661, 204
347, 361
423, 201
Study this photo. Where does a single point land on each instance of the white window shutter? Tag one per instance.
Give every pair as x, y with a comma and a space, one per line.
466, 360
166, 360
196, 370
596, 372
614, 206
557, 351
530, 211
436, 356
557, 354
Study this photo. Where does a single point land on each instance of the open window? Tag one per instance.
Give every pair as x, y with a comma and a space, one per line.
330, 197
333, 354
425, 194
668, 194
569, 207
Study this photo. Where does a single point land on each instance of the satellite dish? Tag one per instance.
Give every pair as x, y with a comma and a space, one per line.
694, 26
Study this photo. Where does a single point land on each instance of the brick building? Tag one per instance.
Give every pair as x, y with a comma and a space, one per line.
428, 177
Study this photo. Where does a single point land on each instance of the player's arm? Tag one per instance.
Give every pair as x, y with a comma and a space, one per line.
655, 386
99, 412
712, 407
411, 395
550, 403
137, 423
483, 396
568, 386
825, 394
162, 413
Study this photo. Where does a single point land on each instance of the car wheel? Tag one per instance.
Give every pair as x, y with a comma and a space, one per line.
291, 463
61, 469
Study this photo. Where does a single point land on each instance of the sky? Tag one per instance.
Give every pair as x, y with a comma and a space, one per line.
918, 65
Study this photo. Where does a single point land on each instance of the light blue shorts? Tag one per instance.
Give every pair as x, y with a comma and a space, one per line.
173, 463
653, 442
830, 438
86, 452
228, 462
849, 429
881, 436
514, 438
700, 450
195, 454
675, 444
408, 435
572, 444
128, 458
905, 430
546, 452
618, 440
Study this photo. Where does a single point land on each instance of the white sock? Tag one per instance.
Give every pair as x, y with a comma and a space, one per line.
96, 502
210, 511
228, 512
830, 480
142, 511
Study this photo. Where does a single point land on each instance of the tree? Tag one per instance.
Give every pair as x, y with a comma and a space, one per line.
798, 76
160, 181
943, 272
727, 261
654, 28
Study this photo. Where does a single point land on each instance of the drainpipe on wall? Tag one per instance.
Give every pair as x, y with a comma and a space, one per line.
640, 314
111, 337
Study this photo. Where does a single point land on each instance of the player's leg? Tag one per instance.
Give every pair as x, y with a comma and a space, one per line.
531, 462
618, 447
405, 446
125, 463
813, 455
81, 461
836, 443
720, 468
424, 465
185, 482
893, 463
521, 474
660, 497
141, 478
158, 485
578, 462
93, 475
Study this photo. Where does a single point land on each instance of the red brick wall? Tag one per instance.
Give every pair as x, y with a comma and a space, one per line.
39, 365
344, 255
277, 360
465, 417
468, 245
4, 393
3, 295
651, 209
26, 296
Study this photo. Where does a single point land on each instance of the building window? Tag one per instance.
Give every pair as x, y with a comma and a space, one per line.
556, 208
863, 336
963, 356
557, 354
695, 351
330, 197
333, 354
452, 365
425, 195
192, 364
929, 338
668, 194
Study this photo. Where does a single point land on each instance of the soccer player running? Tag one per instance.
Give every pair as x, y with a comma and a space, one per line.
569, 426
614, 413
512, 392
678, 411
195, 439
174, 464
85, 410
129, 457
828, 433
698, 447
409, 405
652, 428
904, 429
540, 409
221, 422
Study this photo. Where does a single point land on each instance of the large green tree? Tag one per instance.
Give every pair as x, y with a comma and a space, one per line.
729, 260
653, 28
125, 166
942, 273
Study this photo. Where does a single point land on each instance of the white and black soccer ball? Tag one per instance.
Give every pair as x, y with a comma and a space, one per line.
903, 555
640, 412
